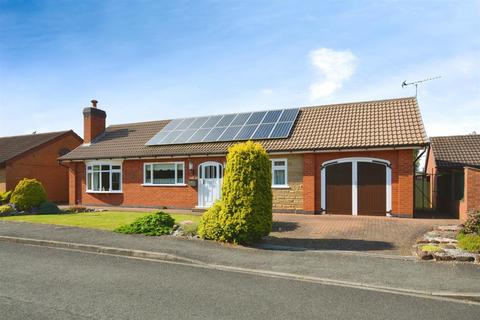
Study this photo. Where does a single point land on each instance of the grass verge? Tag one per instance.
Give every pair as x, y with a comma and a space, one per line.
107, 220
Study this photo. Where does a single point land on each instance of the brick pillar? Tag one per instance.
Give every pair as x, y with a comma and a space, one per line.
309, 183
72, 184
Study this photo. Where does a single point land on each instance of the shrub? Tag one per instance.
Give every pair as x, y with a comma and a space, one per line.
472, 225
48, 207
244, 214
28, 194
77, 209
155, 224
6, 209
5, 197
469, 242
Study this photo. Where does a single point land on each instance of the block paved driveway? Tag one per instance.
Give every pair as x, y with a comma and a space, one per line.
351, 233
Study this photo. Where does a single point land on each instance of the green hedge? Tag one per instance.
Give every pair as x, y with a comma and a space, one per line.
28, 194
244, 214
155, 224
469, 242
5, 197
6, 209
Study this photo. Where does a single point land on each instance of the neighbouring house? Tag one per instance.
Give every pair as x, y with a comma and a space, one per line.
35, 156
352, 158
453, 168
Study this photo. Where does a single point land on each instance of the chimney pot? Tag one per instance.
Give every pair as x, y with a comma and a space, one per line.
94, 103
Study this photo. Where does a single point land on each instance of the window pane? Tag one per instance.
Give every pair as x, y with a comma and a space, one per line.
279, 163
106, 181
180, 173
96, 181
89, 181
97, 167
279, 177
105, 167
116, 181
148, 174
89, 168
115, 167
164, 173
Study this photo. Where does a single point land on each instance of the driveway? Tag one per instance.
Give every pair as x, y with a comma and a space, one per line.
352, 233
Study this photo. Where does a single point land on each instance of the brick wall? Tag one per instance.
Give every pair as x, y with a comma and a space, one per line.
402, 177
290, 199
304, 179
41, 164
134, 194
471, 201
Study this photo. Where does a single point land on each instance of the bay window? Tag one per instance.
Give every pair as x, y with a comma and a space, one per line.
164, 174
279, 173
104, 177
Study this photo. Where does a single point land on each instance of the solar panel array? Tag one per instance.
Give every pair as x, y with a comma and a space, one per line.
272, 124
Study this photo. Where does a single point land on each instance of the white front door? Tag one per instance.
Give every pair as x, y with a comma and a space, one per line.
210, 176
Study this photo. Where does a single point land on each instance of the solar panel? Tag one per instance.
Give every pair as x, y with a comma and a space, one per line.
214, 134
256, 117
263, 131
272, 124
240, 119
281, 130
246, 132
230, 133
272, 116
199, 135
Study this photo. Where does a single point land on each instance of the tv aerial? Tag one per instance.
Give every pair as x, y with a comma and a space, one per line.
416, 83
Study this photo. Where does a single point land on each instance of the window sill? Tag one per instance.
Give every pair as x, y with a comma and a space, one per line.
104, 191
281, 187
163, 185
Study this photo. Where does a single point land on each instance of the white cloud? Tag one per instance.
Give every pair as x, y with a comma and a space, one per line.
335, 67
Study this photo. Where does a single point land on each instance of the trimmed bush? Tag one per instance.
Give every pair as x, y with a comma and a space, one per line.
244, 214
6, 209
155, 224
472, 225
28, 194
5, 197
48, 207
469, 242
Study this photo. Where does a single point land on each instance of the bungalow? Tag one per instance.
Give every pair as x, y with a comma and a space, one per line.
453, 168
353, 158
35, 156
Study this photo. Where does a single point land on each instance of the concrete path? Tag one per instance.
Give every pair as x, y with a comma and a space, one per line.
399, 273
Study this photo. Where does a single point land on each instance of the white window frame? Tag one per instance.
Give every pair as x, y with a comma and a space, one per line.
103, 163
151, 184
276, 167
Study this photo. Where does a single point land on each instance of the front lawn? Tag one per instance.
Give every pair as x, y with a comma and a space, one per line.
107, 220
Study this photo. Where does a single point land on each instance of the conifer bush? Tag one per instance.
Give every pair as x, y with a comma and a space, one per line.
28, 194
244, 214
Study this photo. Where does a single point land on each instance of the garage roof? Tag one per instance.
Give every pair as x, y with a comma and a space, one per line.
456, 151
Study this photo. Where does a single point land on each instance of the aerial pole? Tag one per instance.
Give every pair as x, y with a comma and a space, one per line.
416, 83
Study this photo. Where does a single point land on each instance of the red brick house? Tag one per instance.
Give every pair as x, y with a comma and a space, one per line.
354, 158
35, 156
453, 165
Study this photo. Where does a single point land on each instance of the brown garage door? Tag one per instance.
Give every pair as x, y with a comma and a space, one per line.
339, 188
371, 189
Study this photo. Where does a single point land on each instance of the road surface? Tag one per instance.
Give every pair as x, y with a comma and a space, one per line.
46, 283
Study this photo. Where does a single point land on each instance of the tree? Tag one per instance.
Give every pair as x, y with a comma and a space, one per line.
244, 214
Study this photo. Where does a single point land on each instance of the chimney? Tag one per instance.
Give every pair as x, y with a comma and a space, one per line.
93, 122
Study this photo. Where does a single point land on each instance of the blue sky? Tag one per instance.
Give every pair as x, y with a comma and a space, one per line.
151, 60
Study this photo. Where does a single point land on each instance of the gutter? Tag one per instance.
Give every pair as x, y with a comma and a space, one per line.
416, 147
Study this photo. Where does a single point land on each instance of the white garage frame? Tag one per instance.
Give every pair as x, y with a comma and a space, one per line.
355, 161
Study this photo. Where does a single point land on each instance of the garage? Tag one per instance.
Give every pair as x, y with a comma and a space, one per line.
356, 186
